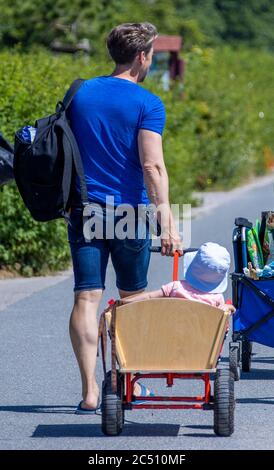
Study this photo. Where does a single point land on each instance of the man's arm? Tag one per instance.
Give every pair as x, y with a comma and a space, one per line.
156, 181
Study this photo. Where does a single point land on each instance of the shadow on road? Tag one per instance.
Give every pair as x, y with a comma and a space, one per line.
68, 430
258, 374
198, 434
257, 400
63, 409
131, 428
266, 360
94, 430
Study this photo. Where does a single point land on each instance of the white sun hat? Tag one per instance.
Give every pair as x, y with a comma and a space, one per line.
207, 269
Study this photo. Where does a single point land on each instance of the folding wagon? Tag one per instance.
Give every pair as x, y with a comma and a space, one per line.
253, 321
170, 339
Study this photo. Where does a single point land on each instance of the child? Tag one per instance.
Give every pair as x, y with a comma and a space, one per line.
205, 279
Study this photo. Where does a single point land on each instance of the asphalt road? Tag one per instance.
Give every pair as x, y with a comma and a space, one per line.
40, 385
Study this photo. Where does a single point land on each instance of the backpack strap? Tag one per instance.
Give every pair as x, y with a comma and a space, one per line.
72, 153
71, 92
67, 174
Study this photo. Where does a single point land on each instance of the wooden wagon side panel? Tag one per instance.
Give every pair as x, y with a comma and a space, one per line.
169, 335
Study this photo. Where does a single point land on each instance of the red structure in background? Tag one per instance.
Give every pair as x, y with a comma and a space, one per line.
172, 45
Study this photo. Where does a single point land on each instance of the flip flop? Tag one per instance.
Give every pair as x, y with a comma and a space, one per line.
86, 411
143, 394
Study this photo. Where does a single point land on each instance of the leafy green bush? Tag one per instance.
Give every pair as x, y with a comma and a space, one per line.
225, 122
219, 132
30, 86
26, 246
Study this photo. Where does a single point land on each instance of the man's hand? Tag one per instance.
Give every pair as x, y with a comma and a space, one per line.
170, 243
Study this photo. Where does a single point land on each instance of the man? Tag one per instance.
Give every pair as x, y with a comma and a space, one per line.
118, 126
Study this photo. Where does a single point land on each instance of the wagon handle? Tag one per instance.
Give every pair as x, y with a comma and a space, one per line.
158, 249
175, 266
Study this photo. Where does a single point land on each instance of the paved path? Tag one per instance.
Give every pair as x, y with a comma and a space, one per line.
40, 382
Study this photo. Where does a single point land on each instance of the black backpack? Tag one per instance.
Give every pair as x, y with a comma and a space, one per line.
45, 169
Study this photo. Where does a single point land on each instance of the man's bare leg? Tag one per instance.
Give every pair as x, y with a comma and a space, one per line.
83, 330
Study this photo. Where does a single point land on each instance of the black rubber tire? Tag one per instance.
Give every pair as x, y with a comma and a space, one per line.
246, 355
112, 407
224, 403
234, 363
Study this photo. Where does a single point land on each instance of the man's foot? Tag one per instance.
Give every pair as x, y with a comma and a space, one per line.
90, 397
141, 391
82, 409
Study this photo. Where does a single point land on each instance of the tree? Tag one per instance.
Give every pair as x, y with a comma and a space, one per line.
210, 21
249, 21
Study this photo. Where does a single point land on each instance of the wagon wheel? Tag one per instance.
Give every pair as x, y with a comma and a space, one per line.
246, 355
224, 403
112, 406
234, 364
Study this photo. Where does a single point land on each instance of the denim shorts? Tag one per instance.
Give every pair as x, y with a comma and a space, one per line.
130, 256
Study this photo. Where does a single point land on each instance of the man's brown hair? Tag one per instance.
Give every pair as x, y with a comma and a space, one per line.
126, 40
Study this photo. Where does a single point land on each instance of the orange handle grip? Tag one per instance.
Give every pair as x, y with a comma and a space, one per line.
176, 266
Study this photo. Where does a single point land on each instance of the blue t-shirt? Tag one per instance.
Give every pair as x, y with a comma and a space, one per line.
106, 115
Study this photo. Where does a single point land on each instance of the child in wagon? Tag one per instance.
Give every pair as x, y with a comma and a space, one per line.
205, 281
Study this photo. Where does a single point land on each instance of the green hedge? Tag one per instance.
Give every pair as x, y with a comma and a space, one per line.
219, 132
30, 86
